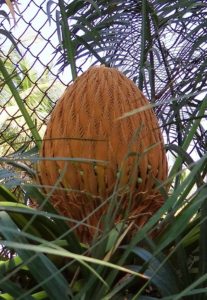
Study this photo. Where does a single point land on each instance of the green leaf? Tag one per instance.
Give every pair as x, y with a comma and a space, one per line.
61, 228
49, 278
48, 9
162, 276
6, 195
5, 15
9, 36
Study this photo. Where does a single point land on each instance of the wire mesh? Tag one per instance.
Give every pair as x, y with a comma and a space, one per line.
34, 71
40, 71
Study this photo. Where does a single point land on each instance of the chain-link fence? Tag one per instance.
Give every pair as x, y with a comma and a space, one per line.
34, 70
169, 67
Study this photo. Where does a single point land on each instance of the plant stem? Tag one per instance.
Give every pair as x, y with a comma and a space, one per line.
67, 41
20, 104
143, 44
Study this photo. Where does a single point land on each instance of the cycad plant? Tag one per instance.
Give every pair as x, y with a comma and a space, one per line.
160, 45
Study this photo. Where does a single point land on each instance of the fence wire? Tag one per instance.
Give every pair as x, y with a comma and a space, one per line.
34, 70
40, 70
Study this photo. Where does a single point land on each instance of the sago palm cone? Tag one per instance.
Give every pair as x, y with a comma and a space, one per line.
86, 123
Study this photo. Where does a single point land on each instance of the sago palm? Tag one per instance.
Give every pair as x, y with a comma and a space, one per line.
160, 45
